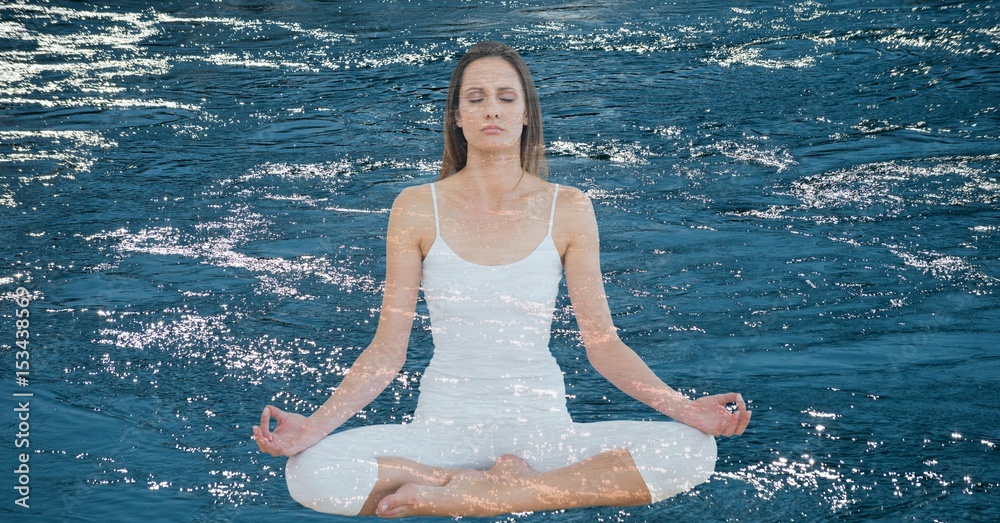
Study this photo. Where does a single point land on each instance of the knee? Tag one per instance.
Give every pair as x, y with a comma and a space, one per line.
330, 485
297, 482
674, 473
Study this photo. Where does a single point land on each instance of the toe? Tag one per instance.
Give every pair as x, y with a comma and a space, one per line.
398, 504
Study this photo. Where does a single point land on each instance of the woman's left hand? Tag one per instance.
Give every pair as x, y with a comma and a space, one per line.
710, 415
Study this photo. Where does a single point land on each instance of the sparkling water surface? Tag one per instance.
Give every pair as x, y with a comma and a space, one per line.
798, 201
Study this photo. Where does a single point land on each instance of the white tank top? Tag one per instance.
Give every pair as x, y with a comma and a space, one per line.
490, 325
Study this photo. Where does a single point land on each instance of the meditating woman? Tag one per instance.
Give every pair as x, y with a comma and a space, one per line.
489, 243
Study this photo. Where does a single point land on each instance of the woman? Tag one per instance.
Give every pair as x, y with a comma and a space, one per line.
489, 243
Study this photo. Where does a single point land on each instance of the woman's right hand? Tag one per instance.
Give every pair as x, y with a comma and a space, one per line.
293, 434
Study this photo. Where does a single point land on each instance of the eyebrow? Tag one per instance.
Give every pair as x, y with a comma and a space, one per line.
480, 89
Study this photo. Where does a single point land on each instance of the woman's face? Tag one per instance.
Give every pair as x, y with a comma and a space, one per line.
491, 106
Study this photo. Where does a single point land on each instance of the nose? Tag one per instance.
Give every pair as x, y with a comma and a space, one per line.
493, 109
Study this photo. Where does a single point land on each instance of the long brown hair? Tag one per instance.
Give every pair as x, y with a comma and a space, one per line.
456, 151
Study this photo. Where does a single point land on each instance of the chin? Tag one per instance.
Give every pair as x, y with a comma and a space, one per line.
496, 144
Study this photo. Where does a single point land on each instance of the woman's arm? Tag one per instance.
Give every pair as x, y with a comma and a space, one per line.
382, 360
577, 229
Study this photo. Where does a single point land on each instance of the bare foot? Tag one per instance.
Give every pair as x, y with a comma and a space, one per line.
468, 493
394, 472
449, 500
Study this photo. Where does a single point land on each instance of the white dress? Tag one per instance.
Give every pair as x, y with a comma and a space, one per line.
492, 388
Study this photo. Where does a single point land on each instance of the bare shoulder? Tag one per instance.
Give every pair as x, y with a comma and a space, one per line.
573, 207
575, 223
412, 215
413, 203
572, 197
413, 198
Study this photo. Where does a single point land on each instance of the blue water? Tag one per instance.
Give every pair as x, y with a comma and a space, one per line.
798, 201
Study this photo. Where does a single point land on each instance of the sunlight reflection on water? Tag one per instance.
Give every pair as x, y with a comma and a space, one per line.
797, 202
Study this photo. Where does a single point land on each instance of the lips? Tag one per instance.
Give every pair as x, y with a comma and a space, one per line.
492, 129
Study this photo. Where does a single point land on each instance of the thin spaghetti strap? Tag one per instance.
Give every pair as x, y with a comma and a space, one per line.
552, 213
437, 223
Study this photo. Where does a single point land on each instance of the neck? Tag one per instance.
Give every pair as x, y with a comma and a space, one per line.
493, 176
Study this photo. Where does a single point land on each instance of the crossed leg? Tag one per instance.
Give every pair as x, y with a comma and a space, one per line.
407, 488
340, 475
393, 473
